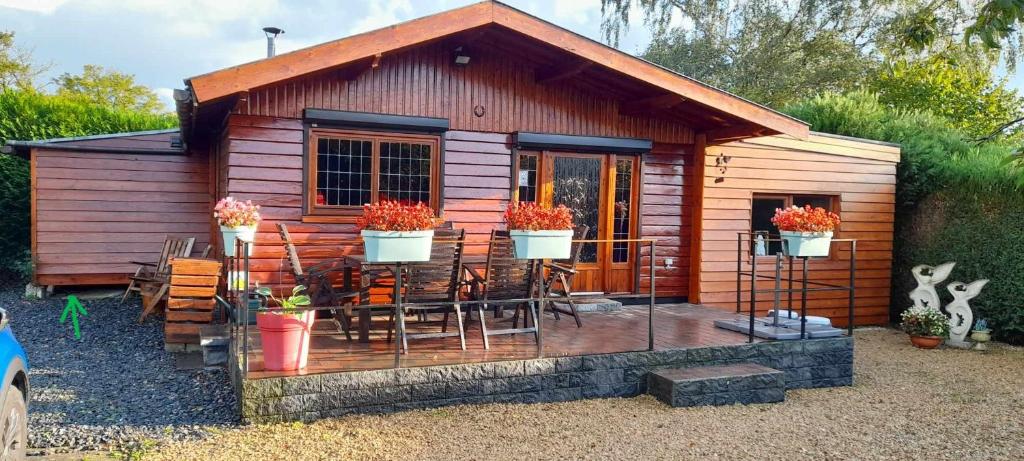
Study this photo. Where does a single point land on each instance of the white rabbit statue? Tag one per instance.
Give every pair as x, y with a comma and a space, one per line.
961, 317
927, 277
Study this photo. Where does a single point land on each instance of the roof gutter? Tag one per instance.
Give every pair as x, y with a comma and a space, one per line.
185, 106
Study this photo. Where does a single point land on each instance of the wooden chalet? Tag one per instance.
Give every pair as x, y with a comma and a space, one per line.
466, 110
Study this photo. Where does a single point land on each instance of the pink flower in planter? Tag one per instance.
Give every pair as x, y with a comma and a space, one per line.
233, 213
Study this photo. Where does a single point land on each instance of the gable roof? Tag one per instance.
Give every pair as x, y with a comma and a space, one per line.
218, 85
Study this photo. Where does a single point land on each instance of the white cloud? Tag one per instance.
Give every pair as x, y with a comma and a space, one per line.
383, 13
577, 11
166, 96
37, 6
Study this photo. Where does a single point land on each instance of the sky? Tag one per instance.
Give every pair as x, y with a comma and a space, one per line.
162, 42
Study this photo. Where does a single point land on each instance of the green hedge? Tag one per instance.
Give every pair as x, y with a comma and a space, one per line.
27, 115
984, 236
956, 201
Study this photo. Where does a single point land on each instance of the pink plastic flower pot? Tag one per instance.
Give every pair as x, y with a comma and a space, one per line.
285, 339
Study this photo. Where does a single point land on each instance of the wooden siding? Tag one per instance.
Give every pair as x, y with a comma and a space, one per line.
861, 174
96, 212
666, 212
477, 174
423, 82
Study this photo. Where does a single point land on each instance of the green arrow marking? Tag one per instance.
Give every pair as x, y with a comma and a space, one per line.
75, 308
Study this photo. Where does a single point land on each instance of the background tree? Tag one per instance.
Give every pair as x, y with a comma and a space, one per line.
16, 68
965, 92
110, 88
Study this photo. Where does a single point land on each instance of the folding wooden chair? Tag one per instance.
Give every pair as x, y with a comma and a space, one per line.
505, 278
156, 272
317, 279
558, 282
437, 280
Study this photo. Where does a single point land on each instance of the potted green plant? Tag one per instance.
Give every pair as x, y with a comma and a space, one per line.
806, 231
393, 231
284, 332
539, 232
981, 332
238, 221
926, 326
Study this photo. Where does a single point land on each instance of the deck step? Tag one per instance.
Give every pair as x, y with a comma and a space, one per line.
717, 385
593, 305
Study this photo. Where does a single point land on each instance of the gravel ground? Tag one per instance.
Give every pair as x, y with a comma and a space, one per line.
906, 404
116, 386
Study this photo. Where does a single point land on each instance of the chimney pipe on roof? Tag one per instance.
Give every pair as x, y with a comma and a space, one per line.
272, 33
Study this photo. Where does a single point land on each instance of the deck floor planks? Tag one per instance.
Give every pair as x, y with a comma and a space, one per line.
676, 326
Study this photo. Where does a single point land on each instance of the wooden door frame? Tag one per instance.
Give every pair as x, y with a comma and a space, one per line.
545, 195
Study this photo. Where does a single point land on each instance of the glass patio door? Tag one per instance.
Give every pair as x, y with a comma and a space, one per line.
600, 189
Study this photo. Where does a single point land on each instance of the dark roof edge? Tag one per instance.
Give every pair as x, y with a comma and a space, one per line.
21, 148
854, 138
98, 136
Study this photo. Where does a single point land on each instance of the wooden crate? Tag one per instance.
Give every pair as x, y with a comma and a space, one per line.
190, 302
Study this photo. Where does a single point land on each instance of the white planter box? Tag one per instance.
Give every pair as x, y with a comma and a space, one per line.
542, 244
806, 244
230, 234
389, 247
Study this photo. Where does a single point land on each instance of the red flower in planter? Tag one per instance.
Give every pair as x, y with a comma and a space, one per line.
397, 217
531, 217
805, 219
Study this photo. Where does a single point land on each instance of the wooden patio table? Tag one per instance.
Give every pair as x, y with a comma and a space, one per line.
357, 261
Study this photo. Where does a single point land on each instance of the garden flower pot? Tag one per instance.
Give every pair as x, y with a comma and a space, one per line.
243, 233
981, 336
393, 246
926, 342
542, 244
285, 339
806, 244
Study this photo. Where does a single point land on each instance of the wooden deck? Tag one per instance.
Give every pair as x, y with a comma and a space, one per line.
675, 326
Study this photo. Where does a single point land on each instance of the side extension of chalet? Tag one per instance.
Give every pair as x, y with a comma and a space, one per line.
538, 113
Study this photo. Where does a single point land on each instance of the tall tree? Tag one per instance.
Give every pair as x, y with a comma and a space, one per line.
16, 68
775, 51
109, 88
965, 92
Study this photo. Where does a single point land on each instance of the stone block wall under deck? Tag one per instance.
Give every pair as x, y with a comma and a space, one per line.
806, 364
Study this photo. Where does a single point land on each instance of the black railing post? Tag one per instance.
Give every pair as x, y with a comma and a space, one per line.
853, 284
753, 295
803, 302
651, 301
538, 314
739, 271
245, 305
399, 323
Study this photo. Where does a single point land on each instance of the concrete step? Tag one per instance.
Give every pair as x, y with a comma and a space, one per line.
744, 383
593, 305
214, 340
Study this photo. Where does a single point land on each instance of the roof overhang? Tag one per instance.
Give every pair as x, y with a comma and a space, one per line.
230, 82
96, 143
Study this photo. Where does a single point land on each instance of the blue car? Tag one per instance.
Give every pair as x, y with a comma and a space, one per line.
14, 393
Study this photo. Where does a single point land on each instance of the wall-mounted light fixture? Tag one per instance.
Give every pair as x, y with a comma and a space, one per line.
461, 58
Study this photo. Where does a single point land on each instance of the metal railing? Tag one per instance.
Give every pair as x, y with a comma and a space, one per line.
746, 245
238, 290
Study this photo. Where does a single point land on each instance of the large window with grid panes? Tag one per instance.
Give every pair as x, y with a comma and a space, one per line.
346, 169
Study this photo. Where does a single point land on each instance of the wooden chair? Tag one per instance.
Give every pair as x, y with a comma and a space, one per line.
560, 275
156, 272
437, 280
190, 299
317, 279
505, 278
